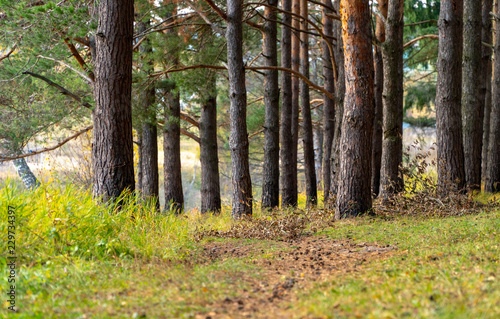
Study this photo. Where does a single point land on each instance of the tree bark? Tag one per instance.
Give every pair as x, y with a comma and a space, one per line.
295, 97
209, 157
112, 152
307, 141
450, 155
270, 186
288, 192
25, 173
379, 106
317, 112
354, 193
149, 134
328, 104
486, 69
174, 196
391, 181
472, 104
340, 90
238, 139
492, 182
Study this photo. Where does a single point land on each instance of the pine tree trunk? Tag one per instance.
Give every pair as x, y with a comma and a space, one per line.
379, 107
238, 139
354, 194
174, 196
25, 173
112, 152
339, 103
308, 142
486, 69
295, 97
209, 157
472, 104
391, 181
288, 165
492, 183
138, 182
270, 186
149, 134
317, 113
328, 104
450, 155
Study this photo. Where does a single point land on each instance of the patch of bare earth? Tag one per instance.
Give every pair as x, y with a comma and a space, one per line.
296, 266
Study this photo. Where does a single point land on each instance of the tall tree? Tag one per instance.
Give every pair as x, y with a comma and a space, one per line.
308, 142
492, 182
486, 69
392, 52
472, 104
149, 132
379, 106
270, 186
288, 165
295, 96
328, 104
450, 155
340, 88
238, 140
209, 158
112, 151
354, 194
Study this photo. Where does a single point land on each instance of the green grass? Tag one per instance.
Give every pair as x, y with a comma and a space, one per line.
81, 260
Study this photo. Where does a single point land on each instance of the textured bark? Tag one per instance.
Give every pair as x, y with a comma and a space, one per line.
138, 182
288, 165
317, 112
379, 108
450, 156
472, 104
112, 151
295, 97
307, 141
25, 173
354, 193
209, 157
391, 181
339, 103
270, 186
492, 182
486, 69
328, 104
174, 196
149, 136
238, 139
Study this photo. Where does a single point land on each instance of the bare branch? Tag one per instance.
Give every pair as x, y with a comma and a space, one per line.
83, 75
79, 59
8, 53
427, 36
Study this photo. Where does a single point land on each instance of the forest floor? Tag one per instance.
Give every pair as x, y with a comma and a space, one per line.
78, 260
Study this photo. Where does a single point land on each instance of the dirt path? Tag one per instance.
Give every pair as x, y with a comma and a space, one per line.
295, 267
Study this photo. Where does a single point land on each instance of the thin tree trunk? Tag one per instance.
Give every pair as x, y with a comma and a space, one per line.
174, 196
295, 97
379, 106
149, 135
209, 157
270, 186
138, 182
308, 142
391, 181
472, 104
486, 68
317, 112
340, 90
328, 104
492, 183
112, 152
288, 192
450, 154
354, 194
238, 139
25, 173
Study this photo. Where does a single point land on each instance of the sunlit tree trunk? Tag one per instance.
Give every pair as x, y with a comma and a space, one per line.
354, 194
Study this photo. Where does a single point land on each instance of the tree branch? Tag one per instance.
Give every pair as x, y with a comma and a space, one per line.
60, 88
48, 149
79, 59
83, 75
8, 53
427, 36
